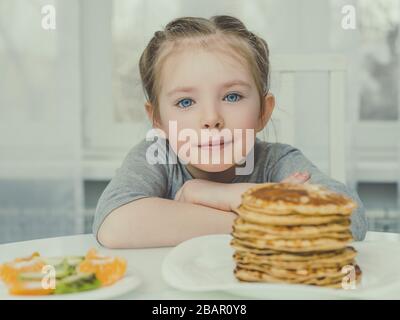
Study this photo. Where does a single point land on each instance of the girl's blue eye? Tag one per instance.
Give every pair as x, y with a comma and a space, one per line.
185, 103
233, 97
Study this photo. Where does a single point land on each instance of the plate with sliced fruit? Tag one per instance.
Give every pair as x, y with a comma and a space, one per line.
90, 276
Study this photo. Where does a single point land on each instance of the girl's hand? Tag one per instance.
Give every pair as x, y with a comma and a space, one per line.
222, 196
297, 177
239, 188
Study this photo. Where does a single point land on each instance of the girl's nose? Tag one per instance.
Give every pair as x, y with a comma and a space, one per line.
213, 124
212, 119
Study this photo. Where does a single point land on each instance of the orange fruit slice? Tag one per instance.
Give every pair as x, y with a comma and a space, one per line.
9, 271
31, 288
108, 270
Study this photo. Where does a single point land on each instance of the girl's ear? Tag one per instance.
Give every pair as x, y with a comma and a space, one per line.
268, 107
150, 114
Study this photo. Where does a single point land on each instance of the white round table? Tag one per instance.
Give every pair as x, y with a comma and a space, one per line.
146, 261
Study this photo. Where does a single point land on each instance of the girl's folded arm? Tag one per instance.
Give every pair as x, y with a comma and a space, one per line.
157, 222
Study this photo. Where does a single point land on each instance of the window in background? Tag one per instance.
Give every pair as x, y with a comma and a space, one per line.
133, 22
381, 205
379, 26
372, 52
379, 23
40, 179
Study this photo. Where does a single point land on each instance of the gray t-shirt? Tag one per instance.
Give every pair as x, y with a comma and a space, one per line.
273, 162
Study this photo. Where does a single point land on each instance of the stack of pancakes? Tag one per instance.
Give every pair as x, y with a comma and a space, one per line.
294, 233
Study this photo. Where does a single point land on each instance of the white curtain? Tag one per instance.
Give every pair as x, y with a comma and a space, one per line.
40, 117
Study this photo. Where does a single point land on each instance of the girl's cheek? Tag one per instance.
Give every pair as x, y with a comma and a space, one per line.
246, 120
246, 117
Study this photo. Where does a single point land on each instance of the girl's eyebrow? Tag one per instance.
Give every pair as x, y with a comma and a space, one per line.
236, 83
223, 86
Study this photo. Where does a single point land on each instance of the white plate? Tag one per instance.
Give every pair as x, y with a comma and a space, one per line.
206, 264
128, 283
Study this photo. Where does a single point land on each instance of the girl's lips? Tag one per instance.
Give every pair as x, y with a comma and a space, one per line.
216, 144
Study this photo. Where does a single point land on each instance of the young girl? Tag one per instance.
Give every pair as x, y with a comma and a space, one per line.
203, 75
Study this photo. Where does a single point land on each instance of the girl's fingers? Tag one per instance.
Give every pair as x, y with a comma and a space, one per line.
290, 178
297, 177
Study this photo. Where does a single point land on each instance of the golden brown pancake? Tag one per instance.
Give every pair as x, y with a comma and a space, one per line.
297, 245
287, 198
252, 234
298, 275
288, 220
288, 261
331, 279
277, 255
293, 233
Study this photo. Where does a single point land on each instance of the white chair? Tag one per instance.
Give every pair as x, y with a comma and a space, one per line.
287, 66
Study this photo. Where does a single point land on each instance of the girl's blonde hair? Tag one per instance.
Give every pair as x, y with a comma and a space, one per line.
253, 49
